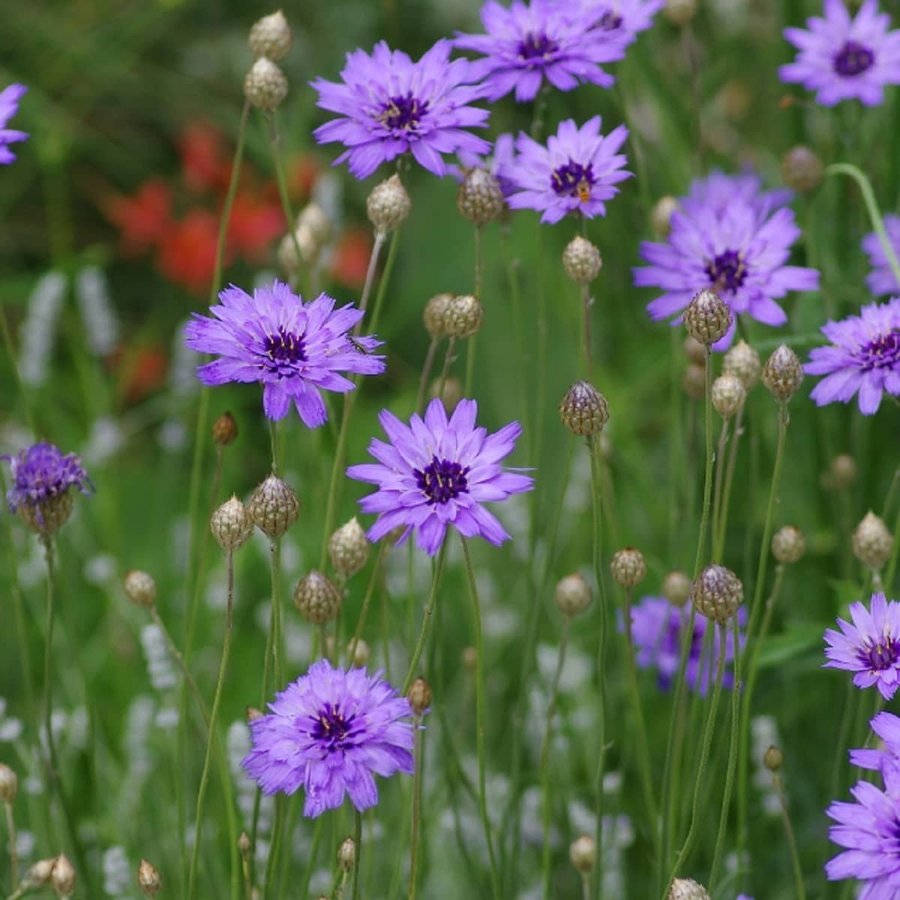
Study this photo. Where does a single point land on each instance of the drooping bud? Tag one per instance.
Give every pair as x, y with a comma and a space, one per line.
802, 170
742, 360
224, 430
462, 316
347, 854
9, 784
419, 696
358, 653
271, 36
717, 593
872, 542
773, 758
581, 260
265, 85
788, 544
693, 382
583, 854
149, 880
63, 876
140, 588
348, 548
572, 595
231, 525
661, 216
728, 395
388, 205
782, 373
841, 473
707, 317
316, 598
676, 587
695, 351
433, 315
686, 888
583, 409
479, 197
628, 567
450, 393
273, 507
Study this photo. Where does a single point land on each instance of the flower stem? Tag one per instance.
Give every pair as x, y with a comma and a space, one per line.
377, 245
416, 807
586, 304
13, 849
799, 889
281, 181
720, 526
426, 372
479, 276
357, 836
385, 280
426, 619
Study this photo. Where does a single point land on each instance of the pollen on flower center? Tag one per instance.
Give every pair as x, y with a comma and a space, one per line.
284, 347
331, 728
882, 655
726, 271
883, 352
536, 46
403, 113
853, 59
573, 180
442, 480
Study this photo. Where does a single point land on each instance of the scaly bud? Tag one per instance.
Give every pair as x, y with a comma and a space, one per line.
224, 430
707, 317
676, 587
782, 373
802, 170
140, 588
9, 784
479, 198
661, 216
316, 598
742, 360
872, 542
728, 395
581, 260
583, 854
419, 696
348, 548
347, 854
231, 525
686, 889
717, 593
773, 759
273, 507
388, 205
462, 316
572, 595
265, 85
271, 36
149, 880
433, 315
628, 567
788, 544
63, 876
584, 410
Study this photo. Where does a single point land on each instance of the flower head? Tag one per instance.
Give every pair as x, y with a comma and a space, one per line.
622, 18
9, 105
881, 280
844, 58
294, 349
576, 172
528, 43
729, 236
870, 647
330, 732
436, 472
389, 105
863, 358
887, 727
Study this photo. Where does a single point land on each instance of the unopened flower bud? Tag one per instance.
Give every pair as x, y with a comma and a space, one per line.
358, 653
39, 874
348, 548
707, 317
462, 316
872, 542
140, 588
788, 544
695, 351
9, 784
315, 220
271, 36
841, 473
680, 12
301, 240
231, 525
728, 395
717, 593
782, 373
686, 889
149, 880
742, 360
388, 205
479, 197
63, 876
48, 515
583, 854
693, 381
451, 392
628, 567
245, 845
419, 696
433, 315
224, 430
253, 713
265, 85
661, 216
581, 260
676, 587
316, 598
572, 595
583, 409
347, 854
773, 758
802, 170
273, 507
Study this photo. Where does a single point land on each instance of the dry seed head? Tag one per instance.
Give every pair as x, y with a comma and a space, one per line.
451, 392
347, 854
316, 598
149, 880
348, 548
224, 429
572, 595
717, 593
773, 758
661, 216
271, 36
433, 315
742, 360
676, 587
265, 85
801, 169
728, 395
40, 873
841, 473
231, 525
388, 205
680, 12
628, 567
696, 352
788, 544
782, 373
462, 316
686, 889
358, 653
9, 784
583, 409
872, 542
479, 197
581, 260
419, 696
54, 513
583, 854
63, 876
273, 507
707, 317
140, 588
693, 382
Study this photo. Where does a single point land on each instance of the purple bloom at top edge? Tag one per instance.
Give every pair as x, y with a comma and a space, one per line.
9, 105
330, 732
845, 58
436, 473
881, 280
576, 172
294, 349
887, 727
528, 43
729, 236
862, 360
623, 18
389, 105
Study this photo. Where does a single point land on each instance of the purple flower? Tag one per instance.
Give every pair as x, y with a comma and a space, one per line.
329, 732
389, 105
881, 280
730, 236
526, 44
9, 105
576, 172
887, 727
657, 628
294, 349
870, 647
863, 358
623, 18
845, 59
435, 473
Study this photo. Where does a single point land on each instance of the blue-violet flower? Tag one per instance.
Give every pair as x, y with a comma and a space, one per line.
9, 105
882, 280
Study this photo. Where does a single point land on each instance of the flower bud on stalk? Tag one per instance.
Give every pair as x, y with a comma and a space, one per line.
224, 430
782, 374
707, 317
872, 542
9, 784
63, 876
479, 198
728, 395
433, 315
388, 205
687, 889
584, 410
140, 588
231, 525
581, 260
628, 567
676, 587
802, 170
661, 216
462, 316
717, 593
265, 85
273, 507
419, 696
572, 595
348, 548
583, 854
788, 545
271, 36
149, 880
316, 598
742, 360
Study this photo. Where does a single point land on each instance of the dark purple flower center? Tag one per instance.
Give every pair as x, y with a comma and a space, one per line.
883, 655
284, 347
442, 480
883, 352
536, 47
573, 180
727, 271
332, 729
853, 59
403, 113
609, 21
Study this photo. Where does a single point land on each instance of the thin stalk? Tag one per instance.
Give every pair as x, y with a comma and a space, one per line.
708, 473
718, 487
385, 280
416, 808
426, 373
277, 631
367, 599
182, 665
371, 269
799, 889
275, 845
720, 527
472, 345
281, 181
357, 836
586, 304
11, 838
426, 619
445, 370
313, 854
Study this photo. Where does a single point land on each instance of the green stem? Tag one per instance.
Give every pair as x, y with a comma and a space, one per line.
720, 527
281, 181
357, 836
426, 619
416, 808
11, 839
426, 373
586, 304
799, 889
479, 276
708, 473
718, 488
380, 237
370, 590
385, 280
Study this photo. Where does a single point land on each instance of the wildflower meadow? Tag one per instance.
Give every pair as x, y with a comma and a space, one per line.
450, 449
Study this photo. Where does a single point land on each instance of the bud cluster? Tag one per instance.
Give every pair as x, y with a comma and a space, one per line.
270, 39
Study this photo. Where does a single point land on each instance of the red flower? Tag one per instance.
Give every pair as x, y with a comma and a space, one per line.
254, 224
144, 218
351, 258
187, 252
205, 166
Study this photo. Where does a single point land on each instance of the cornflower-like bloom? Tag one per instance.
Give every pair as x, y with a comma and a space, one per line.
870, 647
527, 44
844, 58
622, 18
9, 105
863, 358
330, 732
657, 627
294, 349
887, 727
881, 280
576, 172
389, 105
435, 473
729, 236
